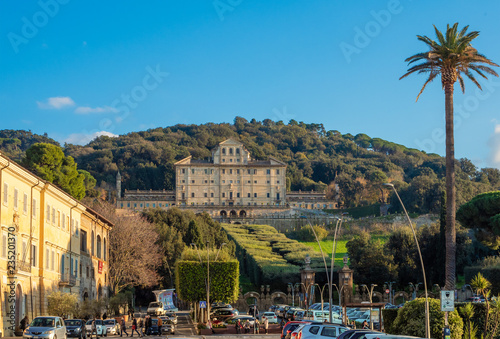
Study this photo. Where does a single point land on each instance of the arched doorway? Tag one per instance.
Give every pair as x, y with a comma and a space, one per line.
85, 295
223, 213
99, 291
233, 213
243, 213
19, 304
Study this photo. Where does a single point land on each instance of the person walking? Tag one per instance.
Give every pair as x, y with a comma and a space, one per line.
141, 326
134, 328
266, 324
93, 328
365, 325
247, 326
147, 324
160, 324
123, 327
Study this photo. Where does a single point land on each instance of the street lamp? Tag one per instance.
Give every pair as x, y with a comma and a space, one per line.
329, 279
427, 321
370, 296
293, 287
207, 283
322, 289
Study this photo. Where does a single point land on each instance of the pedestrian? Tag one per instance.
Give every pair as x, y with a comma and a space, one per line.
209, 325
256, 325
134, 328
237, 326
147, 324
93, 328
365, 325
141, 325
160, 323
266, 324
123, 327
282, 323
247, 326
24, 323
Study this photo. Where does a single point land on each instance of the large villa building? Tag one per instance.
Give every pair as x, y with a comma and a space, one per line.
229, 184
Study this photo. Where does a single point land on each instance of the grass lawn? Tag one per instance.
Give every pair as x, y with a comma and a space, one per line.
326, 246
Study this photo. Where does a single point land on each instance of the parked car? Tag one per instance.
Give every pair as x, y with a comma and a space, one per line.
75, 328
223, 314
173, 317
167, 326
324, 330
292, 312
272, 318
100, 328
112, 326
387, 336
154, 327
290, 327
46, 328
356, 334
473, 300
242, 318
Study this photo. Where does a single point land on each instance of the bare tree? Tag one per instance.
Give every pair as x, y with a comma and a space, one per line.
134, 254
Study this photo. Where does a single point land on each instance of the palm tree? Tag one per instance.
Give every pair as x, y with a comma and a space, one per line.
452, 57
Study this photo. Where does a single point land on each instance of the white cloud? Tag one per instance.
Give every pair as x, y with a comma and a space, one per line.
89, 110
83, 139
56, 103
494, 144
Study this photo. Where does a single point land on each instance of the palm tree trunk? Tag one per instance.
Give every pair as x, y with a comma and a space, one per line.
450, 232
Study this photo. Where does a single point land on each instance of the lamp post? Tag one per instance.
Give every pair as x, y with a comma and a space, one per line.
427, 320
370, 296
293, 287
207, 284
322, 289
329, 279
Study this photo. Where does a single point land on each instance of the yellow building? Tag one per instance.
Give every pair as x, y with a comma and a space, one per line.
40, 245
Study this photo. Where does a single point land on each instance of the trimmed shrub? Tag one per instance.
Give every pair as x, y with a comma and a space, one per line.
306, 233
224, 280
389, 315
411, 320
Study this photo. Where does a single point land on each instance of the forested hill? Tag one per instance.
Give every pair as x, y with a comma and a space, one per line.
316, 158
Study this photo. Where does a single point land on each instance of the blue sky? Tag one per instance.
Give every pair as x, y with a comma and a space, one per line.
76, 69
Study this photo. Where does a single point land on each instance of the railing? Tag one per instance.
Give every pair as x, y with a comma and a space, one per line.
24, 266
67, 280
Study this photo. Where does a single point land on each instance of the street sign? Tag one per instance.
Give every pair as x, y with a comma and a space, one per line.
203, 304
387, 291
447, 301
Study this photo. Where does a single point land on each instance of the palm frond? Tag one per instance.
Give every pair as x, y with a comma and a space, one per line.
431, 77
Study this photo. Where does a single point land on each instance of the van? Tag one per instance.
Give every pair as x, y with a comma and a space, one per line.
322, 316
155, 308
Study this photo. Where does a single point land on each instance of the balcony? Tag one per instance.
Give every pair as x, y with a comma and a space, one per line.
67, 279
22, 266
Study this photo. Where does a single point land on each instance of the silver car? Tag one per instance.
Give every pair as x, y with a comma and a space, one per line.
46, 328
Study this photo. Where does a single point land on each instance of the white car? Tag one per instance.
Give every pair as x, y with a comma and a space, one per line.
314, 331
112, 326
46, 328
272, 318
100, 328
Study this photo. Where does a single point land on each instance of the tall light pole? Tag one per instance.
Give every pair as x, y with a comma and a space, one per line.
370, 297
427, 320
207, 284
322, 289
338, 225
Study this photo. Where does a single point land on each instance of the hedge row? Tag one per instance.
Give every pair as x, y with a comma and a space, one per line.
490, 273
269, 257
224, 280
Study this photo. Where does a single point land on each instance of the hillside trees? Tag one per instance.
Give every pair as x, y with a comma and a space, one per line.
49, 162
